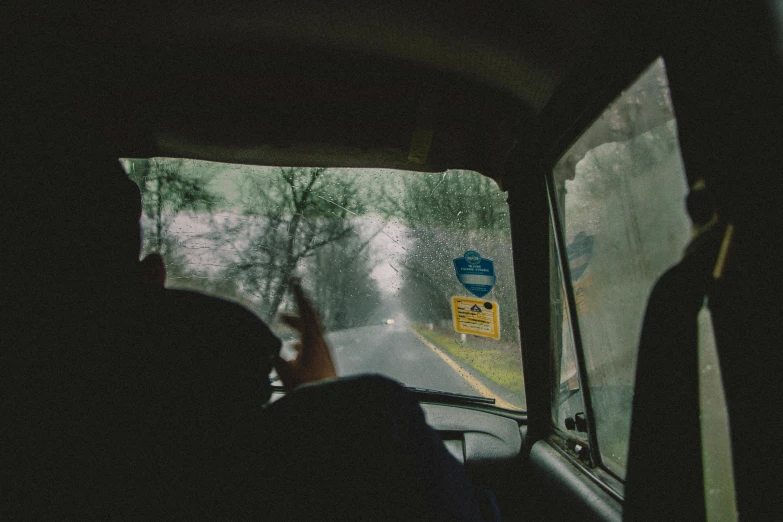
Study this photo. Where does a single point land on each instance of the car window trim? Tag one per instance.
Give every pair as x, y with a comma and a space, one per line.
601, 477
562, 259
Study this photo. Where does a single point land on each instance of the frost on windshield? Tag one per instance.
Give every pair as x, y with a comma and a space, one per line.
374, 250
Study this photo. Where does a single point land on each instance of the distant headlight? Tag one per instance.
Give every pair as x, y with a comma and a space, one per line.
389, 321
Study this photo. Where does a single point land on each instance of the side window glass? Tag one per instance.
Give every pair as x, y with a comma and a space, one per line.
719, 498
620, 192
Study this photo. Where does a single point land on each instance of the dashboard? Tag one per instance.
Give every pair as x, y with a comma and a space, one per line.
475, 438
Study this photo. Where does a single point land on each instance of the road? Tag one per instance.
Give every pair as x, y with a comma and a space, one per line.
394, 351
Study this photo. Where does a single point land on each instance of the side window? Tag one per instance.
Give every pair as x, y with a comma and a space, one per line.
719, 498
619, 193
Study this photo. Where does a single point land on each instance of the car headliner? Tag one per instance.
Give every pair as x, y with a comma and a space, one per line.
410, 85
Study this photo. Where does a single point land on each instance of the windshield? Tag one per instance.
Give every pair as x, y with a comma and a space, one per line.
410, 272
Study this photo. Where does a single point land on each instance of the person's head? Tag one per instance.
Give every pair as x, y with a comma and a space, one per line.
74, 213
700, 204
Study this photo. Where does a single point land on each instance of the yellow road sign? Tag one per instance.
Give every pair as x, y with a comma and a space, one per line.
476, 316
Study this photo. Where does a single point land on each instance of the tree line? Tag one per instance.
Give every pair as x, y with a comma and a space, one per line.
248, 242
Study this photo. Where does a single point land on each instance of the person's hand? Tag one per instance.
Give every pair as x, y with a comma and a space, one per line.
313, 362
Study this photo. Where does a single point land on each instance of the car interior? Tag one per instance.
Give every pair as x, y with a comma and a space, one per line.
647, 313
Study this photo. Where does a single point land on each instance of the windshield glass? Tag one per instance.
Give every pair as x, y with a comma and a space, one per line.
411, 272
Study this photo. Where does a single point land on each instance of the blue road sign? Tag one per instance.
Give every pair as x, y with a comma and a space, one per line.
475, 273
579, 252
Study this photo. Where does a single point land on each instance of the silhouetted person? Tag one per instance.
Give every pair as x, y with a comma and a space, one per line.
122, 398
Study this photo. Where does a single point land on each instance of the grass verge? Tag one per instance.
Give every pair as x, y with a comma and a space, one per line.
499, 362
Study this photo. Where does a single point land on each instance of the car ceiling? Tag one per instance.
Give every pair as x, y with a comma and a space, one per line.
412, 85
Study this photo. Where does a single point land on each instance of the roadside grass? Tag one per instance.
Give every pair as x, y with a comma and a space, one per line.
499, 362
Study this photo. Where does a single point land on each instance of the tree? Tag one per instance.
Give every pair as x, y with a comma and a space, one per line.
288, 217
273, 224
344, 291
447, 215
168, 188
460, 200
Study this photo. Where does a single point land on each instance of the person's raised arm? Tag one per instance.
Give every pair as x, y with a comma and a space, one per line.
313, 361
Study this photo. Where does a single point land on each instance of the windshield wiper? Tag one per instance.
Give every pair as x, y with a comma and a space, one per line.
426, 393
444, 396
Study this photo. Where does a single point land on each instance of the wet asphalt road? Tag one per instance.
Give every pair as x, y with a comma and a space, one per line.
394, 351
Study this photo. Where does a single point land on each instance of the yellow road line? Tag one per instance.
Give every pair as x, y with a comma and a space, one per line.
475, 383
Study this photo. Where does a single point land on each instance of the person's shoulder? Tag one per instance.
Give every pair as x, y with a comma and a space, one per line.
214, 317
233, 344
348, 397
